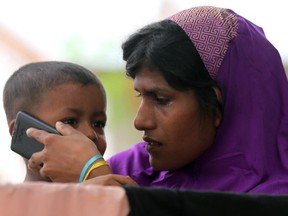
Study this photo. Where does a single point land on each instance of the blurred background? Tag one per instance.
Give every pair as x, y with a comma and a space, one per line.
90, 33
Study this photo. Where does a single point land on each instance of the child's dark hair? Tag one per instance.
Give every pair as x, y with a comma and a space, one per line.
164, 46
25, 87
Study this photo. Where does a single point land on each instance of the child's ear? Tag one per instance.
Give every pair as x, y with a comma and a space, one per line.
11, 126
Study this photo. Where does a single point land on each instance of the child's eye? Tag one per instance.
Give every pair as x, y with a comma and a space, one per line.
99, 124
70, 121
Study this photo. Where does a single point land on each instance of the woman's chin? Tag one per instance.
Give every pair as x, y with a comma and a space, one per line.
158, 166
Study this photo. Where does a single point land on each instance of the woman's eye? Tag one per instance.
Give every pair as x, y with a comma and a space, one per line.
162, 101
70, 121
99, 124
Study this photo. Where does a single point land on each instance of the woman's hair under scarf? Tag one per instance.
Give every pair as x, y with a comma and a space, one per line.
250, 152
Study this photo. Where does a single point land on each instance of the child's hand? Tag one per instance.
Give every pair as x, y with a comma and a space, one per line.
63, 157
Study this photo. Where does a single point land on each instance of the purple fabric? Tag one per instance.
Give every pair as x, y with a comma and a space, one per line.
210, 30
250, 152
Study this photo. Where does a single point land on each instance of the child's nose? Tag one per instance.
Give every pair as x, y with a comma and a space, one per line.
88, 131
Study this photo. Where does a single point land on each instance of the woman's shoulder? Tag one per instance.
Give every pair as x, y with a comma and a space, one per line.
133, 158
136, 151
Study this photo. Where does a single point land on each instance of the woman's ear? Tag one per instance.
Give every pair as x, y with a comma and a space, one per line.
219, 113
218, 118
218, 94
11, 126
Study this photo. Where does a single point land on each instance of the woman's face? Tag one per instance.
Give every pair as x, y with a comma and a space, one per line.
170, 120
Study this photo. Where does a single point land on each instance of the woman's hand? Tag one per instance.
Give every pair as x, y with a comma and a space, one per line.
63, 157
111, 180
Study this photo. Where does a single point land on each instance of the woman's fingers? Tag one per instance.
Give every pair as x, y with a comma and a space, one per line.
63, 157
125, 180
38, 135
65, 129
44, 136
35, 162
111, 180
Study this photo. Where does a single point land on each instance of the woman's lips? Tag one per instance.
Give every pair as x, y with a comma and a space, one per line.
152, 145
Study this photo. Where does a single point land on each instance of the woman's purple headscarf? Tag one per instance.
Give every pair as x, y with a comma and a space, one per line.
250, 153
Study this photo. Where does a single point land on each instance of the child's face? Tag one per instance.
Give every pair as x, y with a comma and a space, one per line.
83, 107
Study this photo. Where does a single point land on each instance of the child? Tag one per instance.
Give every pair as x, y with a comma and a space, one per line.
58, 91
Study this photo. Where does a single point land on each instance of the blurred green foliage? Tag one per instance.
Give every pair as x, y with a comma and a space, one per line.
122, 105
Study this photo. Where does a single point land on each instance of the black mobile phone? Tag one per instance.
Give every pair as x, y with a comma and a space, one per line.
20, 142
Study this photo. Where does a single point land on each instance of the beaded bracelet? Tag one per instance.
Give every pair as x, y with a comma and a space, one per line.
96, 165
87, 165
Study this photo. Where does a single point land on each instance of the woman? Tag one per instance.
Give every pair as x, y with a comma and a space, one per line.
213, 108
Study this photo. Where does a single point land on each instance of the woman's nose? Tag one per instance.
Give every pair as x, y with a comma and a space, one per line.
144, 118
